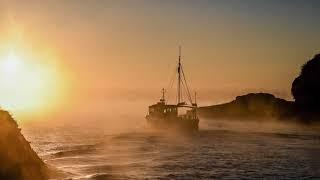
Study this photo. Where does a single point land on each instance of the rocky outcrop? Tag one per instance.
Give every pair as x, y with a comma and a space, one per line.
306, 107
253, 105
306, 87
17, 159
306, 90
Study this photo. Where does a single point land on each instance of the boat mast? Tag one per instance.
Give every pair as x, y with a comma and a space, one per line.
179, 76
163, 98
163, 91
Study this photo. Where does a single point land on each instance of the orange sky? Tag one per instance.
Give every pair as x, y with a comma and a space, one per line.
118, 52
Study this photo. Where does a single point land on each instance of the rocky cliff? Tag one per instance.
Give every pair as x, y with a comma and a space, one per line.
253, 105
17, 159
306, 90
306, 107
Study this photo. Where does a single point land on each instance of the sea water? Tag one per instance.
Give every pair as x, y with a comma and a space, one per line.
212, 153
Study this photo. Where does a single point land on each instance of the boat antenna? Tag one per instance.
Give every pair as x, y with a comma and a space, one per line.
179, 76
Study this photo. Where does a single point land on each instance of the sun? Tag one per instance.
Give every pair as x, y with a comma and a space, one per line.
28, 84
11, 64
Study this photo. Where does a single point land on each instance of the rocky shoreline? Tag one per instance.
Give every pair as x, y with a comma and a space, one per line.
17, 159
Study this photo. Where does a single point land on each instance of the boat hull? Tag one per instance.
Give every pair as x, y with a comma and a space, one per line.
187, 125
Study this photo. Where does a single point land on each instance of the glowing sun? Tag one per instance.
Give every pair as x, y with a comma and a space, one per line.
27, 85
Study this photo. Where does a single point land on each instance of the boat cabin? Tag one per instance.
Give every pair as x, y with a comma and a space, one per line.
167, 111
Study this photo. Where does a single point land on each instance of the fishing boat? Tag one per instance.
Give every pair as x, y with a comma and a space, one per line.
181, 115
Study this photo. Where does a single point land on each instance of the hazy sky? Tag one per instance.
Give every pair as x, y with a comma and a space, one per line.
126, 50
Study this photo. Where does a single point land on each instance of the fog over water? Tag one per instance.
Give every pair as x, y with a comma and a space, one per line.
222, 150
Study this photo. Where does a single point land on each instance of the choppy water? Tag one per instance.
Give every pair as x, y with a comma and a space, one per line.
92, 153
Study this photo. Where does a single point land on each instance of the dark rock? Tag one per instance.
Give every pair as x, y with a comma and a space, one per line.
17, 159
306, 87
306, 107
253, 105
306, 91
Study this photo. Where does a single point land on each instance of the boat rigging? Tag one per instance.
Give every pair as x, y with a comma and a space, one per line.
167, 116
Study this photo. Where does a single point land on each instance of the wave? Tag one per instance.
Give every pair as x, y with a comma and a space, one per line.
75, 150
104, 176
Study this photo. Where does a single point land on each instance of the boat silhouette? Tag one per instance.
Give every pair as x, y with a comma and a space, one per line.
179, 116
